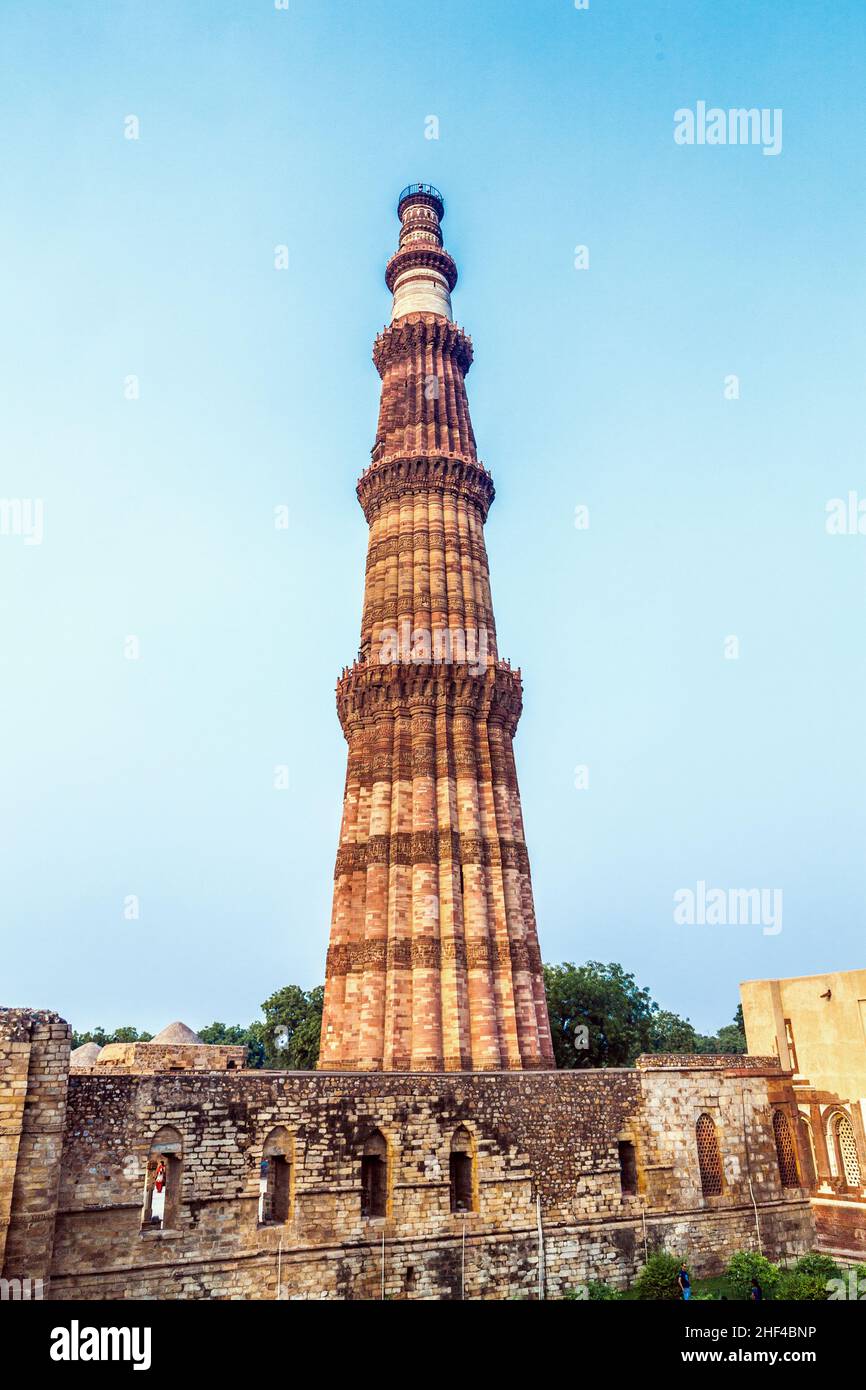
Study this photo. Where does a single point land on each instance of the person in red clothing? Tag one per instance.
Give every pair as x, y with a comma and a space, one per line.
157, 1196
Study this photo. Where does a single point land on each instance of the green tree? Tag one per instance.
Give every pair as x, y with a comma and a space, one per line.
100, 1037
670, 1033
122, 1035
598, 1015
291, 1032
223, 1034
234, 1035
731, 1039
600, 1018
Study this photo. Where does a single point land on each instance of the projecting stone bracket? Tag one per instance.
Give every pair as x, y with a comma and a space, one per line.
399, 476
368, 690
417, 332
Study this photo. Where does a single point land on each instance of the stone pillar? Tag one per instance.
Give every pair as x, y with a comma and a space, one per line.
822, 1161
426, 994
34, 1072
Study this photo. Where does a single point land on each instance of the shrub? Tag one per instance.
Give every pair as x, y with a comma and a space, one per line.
747, 1265
818, 1266
798, 1287
600, 1292
596, 1291
658, 1278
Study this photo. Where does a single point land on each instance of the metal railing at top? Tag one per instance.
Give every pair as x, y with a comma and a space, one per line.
427, 188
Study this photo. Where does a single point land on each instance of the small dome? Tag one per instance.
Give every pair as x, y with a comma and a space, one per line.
177, 1034
85, 1055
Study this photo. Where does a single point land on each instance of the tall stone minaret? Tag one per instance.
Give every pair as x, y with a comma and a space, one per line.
434, 962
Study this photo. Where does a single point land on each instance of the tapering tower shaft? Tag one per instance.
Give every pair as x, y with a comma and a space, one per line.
433, 961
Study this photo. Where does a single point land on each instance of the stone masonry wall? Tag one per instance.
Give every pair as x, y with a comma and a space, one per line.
155, 1057
34, 1067
542, 1135
841, 1226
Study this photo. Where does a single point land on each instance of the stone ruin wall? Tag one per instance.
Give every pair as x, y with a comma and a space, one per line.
34, 1068
72, 1176
548, 1134
142, 1058
840, 1222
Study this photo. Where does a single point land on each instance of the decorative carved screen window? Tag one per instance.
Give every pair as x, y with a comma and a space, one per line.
847, 1149
709, 1158
785, 1151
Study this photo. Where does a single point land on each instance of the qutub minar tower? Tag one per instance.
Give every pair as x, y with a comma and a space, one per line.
420, 1162
433, 961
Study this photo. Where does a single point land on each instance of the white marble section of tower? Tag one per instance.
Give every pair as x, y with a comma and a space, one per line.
421, 294
423, 272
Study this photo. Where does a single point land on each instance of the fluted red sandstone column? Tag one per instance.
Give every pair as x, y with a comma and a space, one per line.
433, 961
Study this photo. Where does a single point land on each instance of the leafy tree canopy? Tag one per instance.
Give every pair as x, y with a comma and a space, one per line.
235, 1035
292, 1028
599, 1017
100, 1037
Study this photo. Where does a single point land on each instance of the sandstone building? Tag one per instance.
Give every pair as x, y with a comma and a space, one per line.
816, 1026
435, 1153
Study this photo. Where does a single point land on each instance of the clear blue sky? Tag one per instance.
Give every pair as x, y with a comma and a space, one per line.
605, 387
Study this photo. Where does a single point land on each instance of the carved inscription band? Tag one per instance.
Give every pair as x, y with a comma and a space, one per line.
426, 953
432, 847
